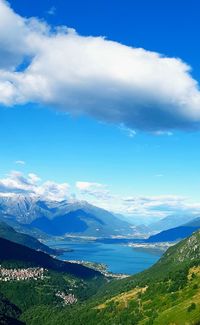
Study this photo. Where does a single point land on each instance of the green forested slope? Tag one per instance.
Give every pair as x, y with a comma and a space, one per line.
167, 293
9, 313
7, 232
11, 252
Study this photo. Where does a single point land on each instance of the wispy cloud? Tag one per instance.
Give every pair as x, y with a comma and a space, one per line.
154, 207
51, 11
20, 162
96, 190
94, 76
127, 131
160, 132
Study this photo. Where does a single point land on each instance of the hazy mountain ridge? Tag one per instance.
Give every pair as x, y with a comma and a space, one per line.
7, 232
73, 217
172, 221
173, 234
60, 218
176, 233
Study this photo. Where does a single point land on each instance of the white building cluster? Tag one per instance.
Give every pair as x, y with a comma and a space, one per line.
68, 299
21, 274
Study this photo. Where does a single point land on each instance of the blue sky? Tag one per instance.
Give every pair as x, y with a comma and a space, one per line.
145, 157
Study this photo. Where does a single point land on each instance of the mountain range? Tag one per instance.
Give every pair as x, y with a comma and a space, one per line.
62, 218
42, 218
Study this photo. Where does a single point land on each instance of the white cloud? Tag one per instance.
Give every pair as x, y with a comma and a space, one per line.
96, 190
168, 133
53, 191
158, 206
129, 132
51, 11
88, 185
20, 162
144, 207
17, 183
94, 76
33, 178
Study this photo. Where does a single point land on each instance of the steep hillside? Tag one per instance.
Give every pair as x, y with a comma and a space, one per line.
167, 293
9, 233
187, 250
9, 313
57, 285
177, 258
81, 222
10, 251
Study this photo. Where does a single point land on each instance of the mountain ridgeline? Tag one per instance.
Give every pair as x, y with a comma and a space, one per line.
177, 233
40, 219
7, 232
62, 218
173, 221
173, 234
10, 251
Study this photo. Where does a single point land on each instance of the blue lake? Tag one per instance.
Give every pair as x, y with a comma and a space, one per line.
118, 258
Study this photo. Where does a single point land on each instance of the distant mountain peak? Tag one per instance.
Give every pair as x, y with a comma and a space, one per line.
62, 217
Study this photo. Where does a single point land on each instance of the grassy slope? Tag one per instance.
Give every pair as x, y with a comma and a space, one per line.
156, 304
169, 291
180, 312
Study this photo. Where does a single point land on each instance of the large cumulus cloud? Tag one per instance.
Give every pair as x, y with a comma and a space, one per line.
17, 183
94, 76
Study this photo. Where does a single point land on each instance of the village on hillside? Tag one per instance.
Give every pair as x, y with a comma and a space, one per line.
34, 273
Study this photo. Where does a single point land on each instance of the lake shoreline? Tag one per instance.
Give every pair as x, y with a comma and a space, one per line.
119, 258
